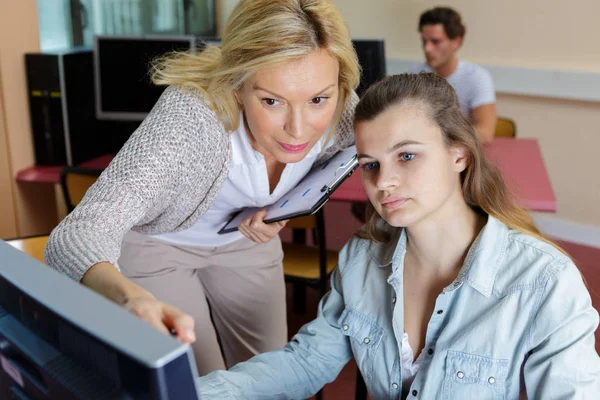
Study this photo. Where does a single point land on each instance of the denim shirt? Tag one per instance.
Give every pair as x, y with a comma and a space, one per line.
517, 320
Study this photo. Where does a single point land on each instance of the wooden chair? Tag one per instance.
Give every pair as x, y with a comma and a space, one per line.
75, 181
308, 266
33, 245
505, 127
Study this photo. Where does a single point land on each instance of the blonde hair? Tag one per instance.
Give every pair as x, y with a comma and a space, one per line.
261, 33
482, 184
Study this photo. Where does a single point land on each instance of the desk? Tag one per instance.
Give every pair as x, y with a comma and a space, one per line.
520, 162
34, 246
41, 174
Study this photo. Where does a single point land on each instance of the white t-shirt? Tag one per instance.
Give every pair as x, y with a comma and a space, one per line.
473, 85
247, 185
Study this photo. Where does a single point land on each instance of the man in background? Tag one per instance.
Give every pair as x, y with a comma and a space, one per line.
442, 34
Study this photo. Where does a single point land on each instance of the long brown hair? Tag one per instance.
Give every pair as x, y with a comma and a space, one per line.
482, 184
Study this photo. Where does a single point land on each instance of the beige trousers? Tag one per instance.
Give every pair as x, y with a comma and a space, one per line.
240, 284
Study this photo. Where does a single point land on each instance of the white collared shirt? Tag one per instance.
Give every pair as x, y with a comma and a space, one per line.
247, 185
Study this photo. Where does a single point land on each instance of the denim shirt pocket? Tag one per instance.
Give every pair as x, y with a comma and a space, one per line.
365, 337
470, 376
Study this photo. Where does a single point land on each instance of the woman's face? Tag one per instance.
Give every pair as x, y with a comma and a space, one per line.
408, 172
288, 106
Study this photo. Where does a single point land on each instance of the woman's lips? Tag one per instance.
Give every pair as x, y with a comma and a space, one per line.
293, 148
394, 203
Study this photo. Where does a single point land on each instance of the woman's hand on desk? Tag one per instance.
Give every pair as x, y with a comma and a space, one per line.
105, 279
256, 230
164, 317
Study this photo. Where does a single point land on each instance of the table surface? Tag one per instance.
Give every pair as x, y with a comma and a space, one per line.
34, 246
520, 162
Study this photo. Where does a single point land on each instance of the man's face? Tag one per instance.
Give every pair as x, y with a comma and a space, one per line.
439, 49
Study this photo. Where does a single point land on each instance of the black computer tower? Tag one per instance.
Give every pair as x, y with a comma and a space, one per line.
61, 101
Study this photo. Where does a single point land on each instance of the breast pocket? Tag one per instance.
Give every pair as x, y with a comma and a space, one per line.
365, 337
469, 376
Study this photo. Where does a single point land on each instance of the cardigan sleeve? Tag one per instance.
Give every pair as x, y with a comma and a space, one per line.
180, 138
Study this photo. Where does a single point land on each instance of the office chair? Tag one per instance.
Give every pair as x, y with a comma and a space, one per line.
75, 181
505, 127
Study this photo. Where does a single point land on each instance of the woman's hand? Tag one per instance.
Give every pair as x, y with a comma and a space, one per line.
105, 279
256, 230
164, 317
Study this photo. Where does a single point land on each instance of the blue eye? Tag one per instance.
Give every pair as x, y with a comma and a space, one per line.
370, 166
407, 156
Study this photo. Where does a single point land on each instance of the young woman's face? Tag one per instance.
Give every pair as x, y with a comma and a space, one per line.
288, 106
408, 172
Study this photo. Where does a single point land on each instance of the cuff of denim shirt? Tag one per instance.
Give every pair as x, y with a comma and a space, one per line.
213, 386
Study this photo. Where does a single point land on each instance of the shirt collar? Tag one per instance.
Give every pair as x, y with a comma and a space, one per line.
481, 264
483, 259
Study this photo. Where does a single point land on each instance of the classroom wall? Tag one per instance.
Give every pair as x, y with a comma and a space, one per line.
8, 226
534, 34
30, 209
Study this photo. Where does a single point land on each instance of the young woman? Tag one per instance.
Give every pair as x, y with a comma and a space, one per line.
237, 127
449, 291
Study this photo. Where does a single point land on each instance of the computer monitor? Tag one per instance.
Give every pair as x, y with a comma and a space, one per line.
60, 340
371, 57
122, 64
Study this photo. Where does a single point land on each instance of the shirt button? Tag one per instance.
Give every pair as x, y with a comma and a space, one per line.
367, 340
430, 351
440, 311
394, 300
395, 385
460, 374
456, 284
414, 392
491, 380
345, 327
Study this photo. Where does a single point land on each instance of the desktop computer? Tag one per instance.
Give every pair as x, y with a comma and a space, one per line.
62, 109
61, 103
59, 340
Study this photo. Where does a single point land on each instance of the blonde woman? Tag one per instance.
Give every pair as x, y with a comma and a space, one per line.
449, 291
237, 127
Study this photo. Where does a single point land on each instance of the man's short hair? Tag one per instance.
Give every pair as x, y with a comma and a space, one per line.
446, 16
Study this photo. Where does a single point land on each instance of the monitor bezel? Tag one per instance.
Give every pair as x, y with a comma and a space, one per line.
124, 115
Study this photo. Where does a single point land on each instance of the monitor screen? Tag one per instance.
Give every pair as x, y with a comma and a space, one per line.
371, 57
122, 64
60, 340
